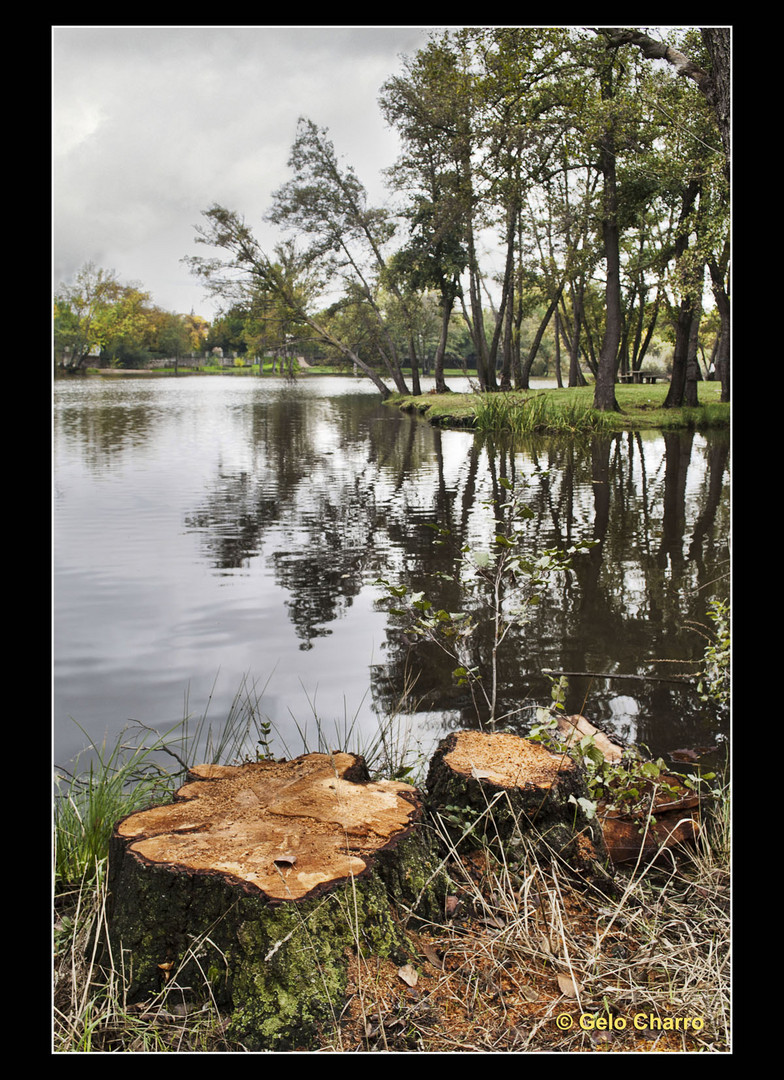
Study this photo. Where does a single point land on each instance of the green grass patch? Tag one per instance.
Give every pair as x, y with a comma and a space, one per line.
567, 410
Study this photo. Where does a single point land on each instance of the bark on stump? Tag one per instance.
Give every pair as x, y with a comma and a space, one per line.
260, 880
512, 787
669, 820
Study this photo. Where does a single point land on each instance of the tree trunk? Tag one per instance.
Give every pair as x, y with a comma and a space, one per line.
576, 377
558, 377
416, 388
604, 393
717, 272
447, 301
674, 398
552, 307
690, 397
719, 90
643, 347
258, 883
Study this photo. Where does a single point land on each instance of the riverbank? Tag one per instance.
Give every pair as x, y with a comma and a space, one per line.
568, 410
524, 959
540, 409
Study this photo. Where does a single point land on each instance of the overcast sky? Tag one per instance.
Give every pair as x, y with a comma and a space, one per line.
151, 125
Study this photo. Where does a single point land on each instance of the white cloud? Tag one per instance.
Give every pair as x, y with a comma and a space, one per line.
153, 124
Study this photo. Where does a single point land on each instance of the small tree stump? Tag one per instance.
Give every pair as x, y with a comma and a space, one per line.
669, 820
259, 880
529, 791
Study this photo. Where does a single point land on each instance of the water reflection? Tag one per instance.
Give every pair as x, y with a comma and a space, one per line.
241, 524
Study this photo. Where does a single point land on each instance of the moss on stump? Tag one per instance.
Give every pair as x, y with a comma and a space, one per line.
261, 880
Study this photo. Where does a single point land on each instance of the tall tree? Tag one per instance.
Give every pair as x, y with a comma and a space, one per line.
326, 206
248, 270
705, 61
95, 313
608, 145
713, 80
425, 105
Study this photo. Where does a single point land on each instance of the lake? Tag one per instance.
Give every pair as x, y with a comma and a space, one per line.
219, 533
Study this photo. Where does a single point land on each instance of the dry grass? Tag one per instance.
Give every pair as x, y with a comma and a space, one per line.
91, 1014
526, 953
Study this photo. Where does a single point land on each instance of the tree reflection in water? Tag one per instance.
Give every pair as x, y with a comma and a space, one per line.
320, 492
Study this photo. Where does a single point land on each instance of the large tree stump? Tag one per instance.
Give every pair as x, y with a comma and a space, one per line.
259, 880
508, 787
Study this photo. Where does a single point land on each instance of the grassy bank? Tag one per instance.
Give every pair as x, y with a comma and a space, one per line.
567, 410
525, 958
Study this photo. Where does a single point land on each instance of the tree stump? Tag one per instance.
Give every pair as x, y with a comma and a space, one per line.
260, 880
670, 817
510, 787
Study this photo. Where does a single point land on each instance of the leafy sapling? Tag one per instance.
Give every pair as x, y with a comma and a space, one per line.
502, 583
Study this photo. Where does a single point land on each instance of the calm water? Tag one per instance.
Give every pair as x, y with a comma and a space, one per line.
215, 530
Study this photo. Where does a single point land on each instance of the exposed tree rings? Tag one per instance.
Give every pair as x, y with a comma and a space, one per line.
285, 829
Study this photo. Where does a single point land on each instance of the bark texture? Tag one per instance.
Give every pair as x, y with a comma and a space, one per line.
530, 790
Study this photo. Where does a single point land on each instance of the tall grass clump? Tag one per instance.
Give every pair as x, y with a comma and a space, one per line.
144, 767
104, 785
542, 412
88, 803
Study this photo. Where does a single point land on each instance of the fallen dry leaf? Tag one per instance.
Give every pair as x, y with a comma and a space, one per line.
408, 975
569, 987
433, 957
544, 943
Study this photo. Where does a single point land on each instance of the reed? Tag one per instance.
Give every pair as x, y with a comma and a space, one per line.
90, 800
525, 414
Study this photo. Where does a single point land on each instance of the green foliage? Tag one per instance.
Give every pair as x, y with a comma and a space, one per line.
626, 785
96, 312
505, 583
715, 682
97, 319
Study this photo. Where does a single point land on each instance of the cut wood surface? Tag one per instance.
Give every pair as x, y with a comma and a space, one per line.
574, 728
505, 760
287, 829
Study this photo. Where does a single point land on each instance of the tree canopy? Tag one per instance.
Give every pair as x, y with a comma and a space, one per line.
579, 174
99, 317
